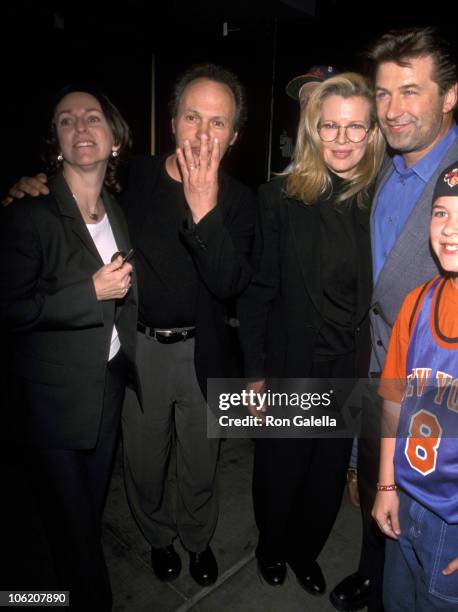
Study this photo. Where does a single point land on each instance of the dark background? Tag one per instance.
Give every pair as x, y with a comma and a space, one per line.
45, 47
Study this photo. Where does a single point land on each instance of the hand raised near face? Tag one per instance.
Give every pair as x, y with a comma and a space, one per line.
199, 174
27, 185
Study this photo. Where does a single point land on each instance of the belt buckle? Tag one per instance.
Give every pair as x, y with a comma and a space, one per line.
165, 333
169, 335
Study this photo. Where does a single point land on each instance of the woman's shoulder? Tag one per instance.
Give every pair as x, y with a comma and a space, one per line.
276, 187
276, 194
31, 206
29, 217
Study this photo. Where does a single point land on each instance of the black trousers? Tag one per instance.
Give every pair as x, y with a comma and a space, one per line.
373, 543
298, 486
173, 405
67, 491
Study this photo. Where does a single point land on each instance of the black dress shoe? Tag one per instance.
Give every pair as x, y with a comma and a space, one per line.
272, 572
311, 579
203, 567
166, 563
352, 593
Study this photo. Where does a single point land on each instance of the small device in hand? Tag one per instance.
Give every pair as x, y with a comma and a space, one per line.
125, 256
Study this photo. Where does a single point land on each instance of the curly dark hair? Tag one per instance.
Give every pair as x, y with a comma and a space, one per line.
216, 73
400, 46
118, 126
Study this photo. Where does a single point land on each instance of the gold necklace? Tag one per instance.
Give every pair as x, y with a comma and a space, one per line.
94, 216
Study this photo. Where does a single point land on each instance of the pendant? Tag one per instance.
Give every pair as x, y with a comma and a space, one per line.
94, 216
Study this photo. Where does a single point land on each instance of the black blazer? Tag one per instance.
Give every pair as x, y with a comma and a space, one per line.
280, 313
59, 333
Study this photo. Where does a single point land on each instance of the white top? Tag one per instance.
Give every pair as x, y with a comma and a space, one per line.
105, 242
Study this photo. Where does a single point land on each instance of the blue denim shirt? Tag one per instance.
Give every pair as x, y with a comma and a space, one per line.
399, 195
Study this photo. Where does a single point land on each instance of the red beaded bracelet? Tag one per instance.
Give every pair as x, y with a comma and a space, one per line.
390, 487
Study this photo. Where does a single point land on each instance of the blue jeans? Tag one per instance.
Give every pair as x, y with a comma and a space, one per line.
413, 579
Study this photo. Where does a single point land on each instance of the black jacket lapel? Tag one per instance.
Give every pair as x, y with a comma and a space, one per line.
117, 225
69, 208
305, 229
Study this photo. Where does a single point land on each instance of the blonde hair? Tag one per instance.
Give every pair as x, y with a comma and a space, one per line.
310, 178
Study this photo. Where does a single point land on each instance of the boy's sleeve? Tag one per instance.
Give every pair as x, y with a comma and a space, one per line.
394, 373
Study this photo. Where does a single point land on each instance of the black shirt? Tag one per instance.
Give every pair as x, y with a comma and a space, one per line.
338, 274
167, 276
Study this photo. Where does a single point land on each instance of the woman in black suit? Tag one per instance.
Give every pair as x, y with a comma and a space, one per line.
305, 315
69, 307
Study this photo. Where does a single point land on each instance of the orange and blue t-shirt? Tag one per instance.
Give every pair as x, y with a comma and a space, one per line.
421, 373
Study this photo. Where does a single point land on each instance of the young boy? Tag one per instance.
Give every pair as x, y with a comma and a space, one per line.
417, 500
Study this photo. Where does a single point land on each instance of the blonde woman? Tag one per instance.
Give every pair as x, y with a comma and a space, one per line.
305, 315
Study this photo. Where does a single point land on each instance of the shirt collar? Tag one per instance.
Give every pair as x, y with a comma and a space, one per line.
427, 165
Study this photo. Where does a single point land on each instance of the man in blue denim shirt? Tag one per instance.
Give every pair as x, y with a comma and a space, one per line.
416, 91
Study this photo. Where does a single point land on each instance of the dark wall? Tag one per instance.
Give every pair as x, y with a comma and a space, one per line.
42, 55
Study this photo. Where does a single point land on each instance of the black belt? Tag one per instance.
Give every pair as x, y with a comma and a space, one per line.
167, 336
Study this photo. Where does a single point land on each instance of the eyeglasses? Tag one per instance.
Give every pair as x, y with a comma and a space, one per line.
354, 132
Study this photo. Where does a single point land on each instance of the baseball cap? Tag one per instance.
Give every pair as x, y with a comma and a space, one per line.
447, 183
315, 74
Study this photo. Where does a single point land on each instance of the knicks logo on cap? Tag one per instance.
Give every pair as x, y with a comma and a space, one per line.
451, 178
